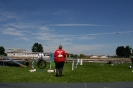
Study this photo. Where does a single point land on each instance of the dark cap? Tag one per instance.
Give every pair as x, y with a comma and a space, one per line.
60, 47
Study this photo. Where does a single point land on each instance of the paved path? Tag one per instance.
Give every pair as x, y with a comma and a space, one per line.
68, 85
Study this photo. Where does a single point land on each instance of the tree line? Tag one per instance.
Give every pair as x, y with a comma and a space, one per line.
121, 51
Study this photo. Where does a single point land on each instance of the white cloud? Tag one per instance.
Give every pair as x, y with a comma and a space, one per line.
20, 25
56, 39
13, 31
85, 37
123, 32
44, 28
23, 38
7, 15
76, 25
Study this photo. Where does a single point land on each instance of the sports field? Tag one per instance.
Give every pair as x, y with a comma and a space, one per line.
88, 72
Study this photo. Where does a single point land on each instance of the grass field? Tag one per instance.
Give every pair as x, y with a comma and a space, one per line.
88, 72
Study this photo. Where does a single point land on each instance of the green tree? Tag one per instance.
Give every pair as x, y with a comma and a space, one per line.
72, 55
127, 51
2, 51
122, 51
81, 55
37, 48
75, 56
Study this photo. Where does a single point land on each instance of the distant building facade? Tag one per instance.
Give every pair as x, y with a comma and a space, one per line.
23, 53
97, 56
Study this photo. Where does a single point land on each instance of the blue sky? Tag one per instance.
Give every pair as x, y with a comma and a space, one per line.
92, 27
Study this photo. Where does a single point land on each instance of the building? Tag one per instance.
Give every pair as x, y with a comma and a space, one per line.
97, 56
22, 53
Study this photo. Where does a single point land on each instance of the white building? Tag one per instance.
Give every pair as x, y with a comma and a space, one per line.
94, 56
23, 53
103, 57
97, 56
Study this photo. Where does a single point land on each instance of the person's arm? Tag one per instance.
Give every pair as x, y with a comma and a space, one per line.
65, 57
54, 55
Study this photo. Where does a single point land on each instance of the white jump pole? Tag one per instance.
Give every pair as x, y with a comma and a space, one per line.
81, 61
52, 58
78, 61
73, 65
33, 69
33, 64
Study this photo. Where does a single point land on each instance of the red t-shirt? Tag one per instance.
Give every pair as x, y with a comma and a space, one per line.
60, 55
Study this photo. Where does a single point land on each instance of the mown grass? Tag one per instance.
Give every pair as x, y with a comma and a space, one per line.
88, 72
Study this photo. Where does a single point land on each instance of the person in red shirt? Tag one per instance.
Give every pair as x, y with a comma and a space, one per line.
59, 59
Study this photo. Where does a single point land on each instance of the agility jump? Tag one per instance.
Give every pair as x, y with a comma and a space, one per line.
6, 57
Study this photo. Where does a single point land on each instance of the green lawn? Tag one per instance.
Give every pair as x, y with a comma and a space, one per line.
88, 72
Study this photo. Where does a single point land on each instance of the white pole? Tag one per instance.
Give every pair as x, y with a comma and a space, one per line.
50, 65
78, 61
81, 61
73, 65
33, 64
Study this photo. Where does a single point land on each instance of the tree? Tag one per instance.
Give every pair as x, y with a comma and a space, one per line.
2, 51
72, 55
127, 51
122, 51
37, 48
81, 55
75, 56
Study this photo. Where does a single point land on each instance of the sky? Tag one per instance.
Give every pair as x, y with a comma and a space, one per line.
90, 27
